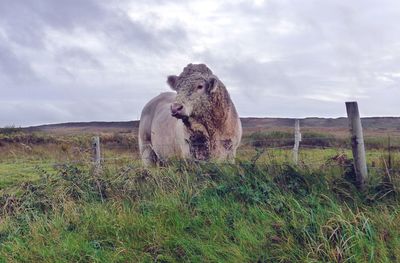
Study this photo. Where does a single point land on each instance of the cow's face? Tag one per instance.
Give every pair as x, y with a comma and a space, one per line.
194, 96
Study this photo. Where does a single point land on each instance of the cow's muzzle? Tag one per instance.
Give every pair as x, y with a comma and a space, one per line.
178, 111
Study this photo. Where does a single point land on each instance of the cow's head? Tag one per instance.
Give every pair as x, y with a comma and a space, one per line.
197, 93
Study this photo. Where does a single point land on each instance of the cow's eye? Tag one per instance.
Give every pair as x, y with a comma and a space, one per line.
200, 87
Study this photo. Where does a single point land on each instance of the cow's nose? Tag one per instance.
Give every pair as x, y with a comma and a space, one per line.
176, 108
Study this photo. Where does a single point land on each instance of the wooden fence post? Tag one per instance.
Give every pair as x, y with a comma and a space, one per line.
97, 164
96, 152
357, 144
297, 140
389, 154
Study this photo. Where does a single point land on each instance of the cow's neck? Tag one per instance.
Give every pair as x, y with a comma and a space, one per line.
215, 129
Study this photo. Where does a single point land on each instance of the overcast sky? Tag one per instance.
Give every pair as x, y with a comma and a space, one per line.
87, 60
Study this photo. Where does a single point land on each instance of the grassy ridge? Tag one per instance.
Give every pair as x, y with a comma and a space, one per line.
200, 213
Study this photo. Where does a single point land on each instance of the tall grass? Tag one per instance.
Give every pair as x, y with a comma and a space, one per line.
261, 209
188, 212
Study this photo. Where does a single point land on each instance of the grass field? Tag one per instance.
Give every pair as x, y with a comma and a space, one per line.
261, 209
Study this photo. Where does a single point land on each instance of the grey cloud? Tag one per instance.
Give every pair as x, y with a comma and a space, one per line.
13, 67
77, 56
260, 77
25, 21
130, 34
17, 78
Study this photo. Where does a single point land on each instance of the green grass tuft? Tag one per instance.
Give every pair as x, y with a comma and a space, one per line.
245, 212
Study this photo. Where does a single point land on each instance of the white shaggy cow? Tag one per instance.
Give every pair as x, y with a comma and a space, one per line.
197, 122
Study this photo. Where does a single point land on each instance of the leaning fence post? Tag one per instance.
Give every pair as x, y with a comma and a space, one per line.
97, 163
357, 144
297, 140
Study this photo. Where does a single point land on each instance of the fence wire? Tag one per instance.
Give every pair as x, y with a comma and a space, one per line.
265, 151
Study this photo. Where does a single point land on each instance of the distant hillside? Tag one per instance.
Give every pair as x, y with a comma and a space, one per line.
371, 122
377, 124
95, 126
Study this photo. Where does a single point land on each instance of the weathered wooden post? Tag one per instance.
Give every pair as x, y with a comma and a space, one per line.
96, 152
97, 163
297, 140
389, 154
357, 144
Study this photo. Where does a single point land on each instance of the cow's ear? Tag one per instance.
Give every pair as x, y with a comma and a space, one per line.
172, 80
212, 85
